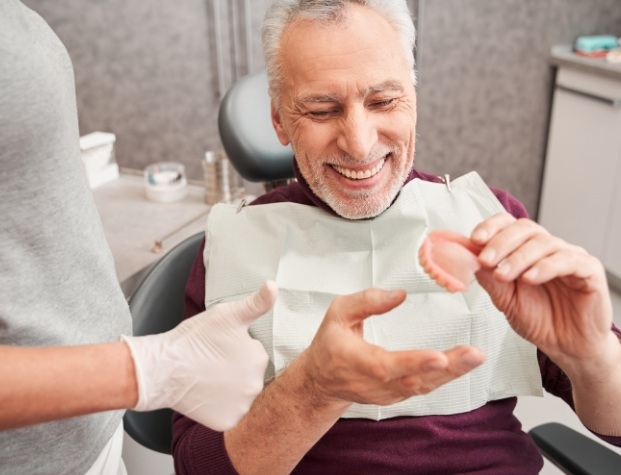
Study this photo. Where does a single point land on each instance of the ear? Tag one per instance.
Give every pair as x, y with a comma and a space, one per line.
278, 127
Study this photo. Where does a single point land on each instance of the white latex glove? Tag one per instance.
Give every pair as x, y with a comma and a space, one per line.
208, 367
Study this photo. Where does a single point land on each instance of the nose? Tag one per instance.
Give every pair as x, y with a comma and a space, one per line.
357, 132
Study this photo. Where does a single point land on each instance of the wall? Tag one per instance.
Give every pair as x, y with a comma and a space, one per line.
149, 71
485, 83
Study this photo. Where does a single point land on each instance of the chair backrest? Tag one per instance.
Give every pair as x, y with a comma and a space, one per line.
157, 306
247, 134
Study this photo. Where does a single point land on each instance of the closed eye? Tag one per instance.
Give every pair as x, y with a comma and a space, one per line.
383, 104
321, 114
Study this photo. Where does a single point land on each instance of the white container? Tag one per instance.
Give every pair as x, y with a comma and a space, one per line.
165, 182
97, 150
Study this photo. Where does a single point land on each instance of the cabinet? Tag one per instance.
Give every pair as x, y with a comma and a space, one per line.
581, 192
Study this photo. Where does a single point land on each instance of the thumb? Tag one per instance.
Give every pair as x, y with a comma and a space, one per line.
354, 308
499, 292
248, 309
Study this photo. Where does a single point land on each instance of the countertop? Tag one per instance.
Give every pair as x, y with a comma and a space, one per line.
563, 56
133, 224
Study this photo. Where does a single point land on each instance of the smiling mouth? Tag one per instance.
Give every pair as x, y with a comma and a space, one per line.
360, 174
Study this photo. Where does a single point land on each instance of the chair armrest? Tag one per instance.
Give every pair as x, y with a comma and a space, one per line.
574, 453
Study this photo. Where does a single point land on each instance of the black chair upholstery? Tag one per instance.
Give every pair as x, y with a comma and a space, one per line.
574, 453
157, 306
247, 134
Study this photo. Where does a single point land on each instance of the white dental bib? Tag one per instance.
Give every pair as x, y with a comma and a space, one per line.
314, 256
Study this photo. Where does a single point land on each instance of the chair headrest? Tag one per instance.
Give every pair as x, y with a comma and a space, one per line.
247, 134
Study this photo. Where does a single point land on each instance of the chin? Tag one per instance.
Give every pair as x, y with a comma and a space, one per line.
359, 208
359, 216
359, 204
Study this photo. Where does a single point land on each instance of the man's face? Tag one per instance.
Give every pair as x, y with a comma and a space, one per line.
348, 108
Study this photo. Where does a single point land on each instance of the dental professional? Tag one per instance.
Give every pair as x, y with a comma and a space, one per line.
65, 374
430, 387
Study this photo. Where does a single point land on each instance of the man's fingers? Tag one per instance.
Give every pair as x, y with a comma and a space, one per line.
528, 254
248, 309
404, 374
487, 229
453, 362
354, 308
565, 263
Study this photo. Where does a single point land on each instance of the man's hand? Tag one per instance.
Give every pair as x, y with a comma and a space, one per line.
554, 294
341, 366
336, 370
208, 367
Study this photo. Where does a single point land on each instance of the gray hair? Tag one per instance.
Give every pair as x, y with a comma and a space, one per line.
283, 13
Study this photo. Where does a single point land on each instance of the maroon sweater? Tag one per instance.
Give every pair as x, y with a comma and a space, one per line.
488, 440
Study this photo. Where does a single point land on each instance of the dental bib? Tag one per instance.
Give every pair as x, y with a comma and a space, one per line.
314, 256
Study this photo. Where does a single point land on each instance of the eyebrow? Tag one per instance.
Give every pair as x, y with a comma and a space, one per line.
389, 85
311, 98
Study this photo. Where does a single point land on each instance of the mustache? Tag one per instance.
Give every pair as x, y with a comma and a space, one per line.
343, 160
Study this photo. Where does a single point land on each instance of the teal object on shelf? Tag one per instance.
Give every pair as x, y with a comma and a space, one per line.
592, 44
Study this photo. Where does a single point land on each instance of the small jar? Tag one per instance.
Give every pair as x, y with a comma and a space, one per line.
165, 182
220, 178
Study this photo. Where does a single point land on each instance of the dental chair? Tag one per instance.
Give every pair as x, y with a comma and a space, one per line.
247, 134
156, 306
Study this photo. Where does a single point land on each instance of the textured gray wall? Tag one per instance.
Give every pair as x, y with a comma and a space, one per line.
485, 84
147, 70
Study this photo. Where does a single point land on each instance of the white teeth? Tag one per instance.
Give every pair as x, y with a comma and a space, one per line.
360, 175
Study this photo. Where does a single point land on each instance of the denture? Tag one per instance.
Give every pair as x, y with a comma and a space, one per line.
450, 259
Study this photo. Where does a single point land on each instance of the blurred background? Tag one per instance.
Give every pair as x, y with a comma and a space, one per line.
153, 73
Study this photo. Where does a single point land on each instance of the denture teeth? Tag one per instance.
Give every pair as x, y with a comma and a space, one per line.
360, 175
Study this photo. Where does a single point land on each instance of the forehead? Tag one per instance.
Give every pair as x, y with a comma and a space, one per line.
358, 55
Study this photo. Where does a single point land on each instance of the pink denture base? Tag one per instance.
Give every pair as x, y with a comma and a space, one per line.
450, 259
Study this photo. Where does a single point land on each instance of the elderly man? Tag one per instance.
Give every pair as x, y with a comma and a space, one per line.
407, 392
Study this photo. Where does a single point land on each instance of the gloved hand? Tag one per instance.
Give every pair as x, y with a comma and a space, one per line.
208, 367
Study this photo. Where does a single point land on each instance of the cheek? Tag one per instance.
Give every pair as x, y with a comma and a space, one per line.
400, 132
313, 140
402, 135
